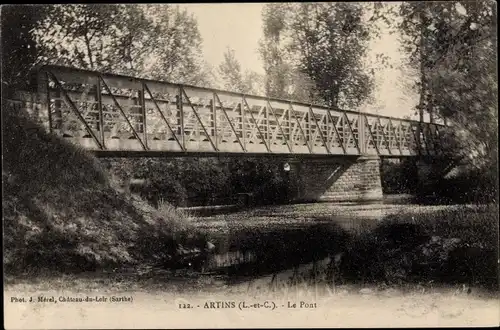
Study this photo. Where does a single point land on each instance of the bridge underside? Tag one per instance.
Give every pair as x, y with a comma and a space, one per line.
112, 114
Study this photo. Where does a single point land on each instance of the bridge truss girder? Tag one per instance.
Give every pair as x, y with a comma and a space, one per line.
106, 112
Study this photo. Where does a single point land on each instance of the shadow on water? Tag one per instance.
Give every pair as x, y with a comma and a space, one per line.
260, 252
373, 248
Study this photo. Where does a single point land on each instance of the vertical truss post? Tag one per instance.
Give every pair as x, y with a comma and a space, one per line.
243, 130
214, 117
375, 143
75, 110
268, 136
117, 104
181, 113
311, 112
99, 106
361, 134
143, 110
290, 135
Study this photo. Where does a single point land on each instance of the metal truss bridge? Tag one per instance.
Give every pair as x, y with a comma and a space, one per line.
109, 113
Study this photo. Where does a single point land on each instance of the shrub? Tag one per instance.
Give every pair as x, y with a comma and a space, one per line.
61, 211
460, 245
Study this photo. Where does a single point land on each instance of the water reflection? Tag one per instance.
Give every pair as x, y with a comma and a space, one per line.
273, 240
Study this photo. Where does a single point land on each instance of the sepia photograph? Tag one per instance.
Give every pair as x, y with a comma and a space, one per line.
250, 165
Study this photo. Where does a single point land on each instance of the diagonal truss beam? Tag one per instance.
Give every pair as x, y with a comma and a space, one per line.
341, 142
371, 134
295, 130
403, 132
301, 130
230, 122
253, 119
183, 92
163, 117
256, 123
318, 128
384, 136
122, 112
75, 110
352, 132
276, 129
279, 125
396, 137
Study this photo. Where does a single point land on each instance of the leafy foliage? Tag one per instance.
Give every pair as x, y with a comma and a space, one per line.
206, 181
454, 43
150, 41
234, 79
19, 52
322, 44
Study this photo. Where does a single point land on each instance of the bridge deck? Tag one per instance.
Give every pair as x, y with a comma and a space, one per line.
107, 112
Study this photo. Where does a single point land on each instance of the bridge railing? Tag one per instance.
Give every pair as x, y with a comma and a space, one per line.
111, 112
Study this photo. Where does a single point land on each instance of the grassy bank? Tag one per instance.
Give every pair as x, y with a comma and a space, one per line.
447, 246
62, 212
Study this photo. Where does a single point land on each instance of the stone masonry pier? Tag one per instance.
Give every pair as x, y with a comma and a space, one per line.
340, 179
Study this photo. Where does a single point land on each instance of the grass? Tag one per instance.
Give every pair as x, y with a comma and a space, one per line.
62, 212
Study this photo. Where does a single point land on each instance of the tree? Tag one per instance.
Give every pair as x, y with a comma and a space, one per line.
234, 79
149, 41
283, 78
453, 44
19, 52
324, 44
174, 50
83, 35
275, 17
230, 71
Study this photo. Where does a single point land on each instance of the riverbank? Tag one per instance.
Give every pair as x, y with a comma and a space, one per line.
282, 237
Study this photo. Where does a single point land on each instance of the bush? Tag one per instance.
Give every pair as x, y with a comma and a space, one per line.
398, 177
61, 211
477, 186
206, 181
450, 246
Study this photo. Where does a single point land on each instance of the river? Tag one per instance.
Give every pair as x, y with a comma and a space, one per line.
271, 240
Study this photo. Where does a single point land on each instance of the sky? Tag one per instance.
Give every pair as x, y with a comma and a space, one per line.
239, 26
